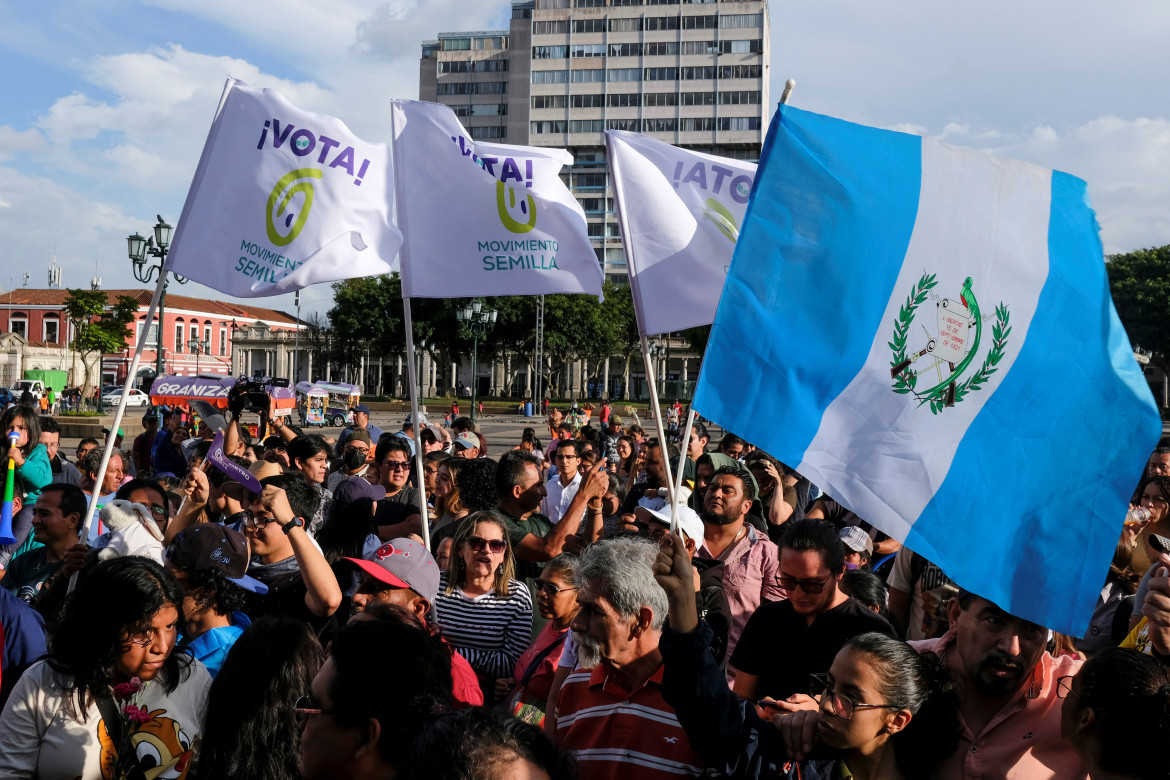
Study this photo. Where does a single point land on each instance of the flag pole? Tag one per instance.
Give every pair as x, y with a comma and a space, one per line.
623, 221
658, 425
131, 375
411, 371
678, 477
412, 378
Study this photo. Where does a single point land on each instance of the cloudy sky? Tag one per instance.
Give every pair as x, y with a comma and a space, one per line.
104, 106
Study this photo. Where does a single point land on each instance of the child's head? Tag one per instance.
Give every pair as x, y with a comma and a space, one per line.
22, 420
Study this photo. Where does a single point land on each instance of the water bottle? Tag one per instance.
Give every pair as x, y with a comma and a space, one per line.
1137, 515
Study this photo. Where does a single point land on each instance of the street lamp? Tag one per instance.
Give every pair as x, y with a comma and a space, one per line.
155, 246
479, 321
198, 347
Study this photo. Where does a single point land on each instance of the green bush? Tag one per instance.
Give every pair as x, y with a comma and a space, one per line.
79, 414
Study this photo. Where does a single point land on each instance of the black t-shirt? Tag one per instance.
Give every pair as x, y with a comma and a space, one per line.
780, 648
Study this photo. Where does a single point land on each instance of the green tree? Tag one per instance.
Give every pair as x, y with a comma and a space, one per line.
1140, 283
98, 327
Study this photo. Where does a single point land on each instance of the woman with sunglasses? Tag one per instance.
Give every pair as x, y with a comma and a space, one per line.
884, 710
482, 610
1153, 495
527, 692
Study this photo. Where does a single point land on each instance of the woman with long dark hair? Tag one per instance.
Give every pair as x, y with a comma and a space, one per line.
250, 730
1116, 715
112, 693
1153, 495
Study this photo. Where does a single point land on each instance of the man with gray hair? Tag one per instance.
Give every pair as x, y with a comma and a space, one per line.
613, 717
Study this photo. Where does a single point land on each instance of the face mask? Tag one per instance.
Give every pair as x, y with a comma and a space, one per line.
354, 459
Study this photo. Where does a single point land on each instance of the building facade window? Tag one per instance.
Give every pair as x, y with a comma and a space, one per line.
739, 123
475, 88
622, 124
750, 46
586, 126
51, 329
739, 71
223, 341
549, 52
699, 47
151, 337
587, 76
18, 324
655, 99
693, 72
626, 49
558, 27
697, 99
456, 44
495, 131
548, 101
623, 99
631, 24
625, 74
580, 50
736, 21
592, 100
696, 124
547, 126
704, 22
660, 74
661, 22
547, 77
594, 181
659, 125
178, 337
739, 98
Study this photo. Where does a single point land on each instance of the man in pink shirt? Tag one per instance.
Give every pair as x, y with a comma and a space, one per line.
751, 561
1009, 708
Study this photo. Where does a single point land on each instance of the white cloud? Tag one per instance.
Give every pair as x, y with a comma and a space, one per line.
1124, 161
13, 140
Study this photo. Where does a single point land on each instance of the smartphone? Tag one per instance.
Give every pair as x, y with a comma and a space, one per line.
1160, 543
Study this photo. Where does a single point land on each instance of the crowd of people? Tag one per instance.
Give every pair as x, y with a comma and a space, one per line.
552, 614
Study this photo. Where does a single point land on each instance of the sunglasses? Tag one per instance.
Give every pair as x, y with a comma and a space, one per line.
397, 465
477, 543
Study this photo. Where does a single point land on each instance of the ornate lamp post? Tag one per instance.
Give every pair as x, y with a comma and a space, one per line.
156, 246
198, 347
479, 321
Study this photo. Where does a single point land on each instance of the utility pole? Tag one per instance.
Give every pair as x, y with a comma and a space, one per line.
297, 340
538, 358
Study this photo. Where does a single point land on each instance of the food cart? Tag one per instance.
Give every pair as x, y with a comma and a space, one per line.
342, 398
176, 391
312, 402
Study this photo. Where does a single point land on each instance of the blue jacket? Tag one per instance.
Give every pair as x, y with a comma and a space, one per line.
211, 647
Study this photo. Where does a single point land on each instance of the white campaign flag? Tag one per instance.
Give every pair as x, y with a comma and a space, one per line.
484, 219
283, 198
680, 213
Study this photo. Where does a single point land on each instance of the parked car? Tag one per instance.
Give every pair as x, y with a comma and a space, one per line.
136, 398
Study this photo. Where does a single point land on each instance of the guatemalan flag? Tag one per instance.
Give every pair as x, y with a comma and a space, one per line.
926, 333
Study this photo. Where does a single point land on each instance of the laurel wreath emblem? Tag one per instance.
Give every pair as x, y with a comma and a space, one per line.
906, 379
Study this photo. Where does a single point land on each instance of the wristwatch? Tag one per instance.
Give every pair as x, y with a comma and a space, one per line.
296, 522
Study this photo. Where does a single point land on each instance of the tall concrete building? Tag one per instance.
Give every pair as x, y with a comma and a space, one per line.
693, 73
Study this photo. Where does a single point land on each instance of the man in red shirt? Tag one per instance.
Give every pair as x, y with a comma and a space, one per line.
613, 717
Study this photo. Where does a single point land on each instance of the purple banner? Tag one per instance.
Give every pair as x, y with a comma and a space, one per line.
233, 470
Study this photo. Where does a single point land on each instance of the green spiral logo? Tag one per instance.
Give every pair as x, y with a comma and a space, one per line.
506, 202
278, 201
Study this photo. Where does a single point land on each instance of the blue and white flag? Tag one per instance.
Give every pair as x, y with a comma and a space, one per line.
926, 332
283, 198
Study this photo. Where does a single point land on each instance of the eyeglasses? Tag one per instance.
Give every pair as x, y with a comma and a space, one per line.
550, 589
398, 465
567, 457
1064, 687
811, 587
161, 511
477, 543
303, 708
259, 523
349, 447
839, 704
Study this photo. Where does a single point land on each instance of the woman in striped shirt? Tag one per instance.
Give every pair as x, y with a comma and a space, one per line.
482, 611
